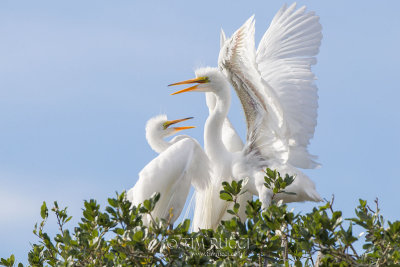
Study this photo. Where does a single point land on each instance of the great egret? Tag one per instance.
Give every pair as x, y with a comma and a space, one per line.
276, 88
232, 143
181, 163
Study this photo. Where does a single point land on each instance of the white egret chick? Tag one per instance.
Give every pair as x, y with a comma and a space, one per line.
180, 164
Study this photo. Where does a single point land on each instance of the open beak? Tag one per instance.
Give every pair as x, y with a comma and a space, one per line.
196, 80
169, 123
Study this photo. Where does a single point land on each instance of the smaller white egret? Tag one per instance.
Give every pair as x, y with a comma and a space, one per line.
181, 163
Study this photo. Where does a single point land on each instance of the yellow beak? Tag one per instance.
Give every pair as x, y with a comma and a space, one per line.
196, 80
183, 128
186, 90
177, 129
169, 123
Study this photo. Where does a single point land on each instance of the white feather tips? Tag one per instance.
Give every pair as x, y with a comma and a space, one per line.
222, 38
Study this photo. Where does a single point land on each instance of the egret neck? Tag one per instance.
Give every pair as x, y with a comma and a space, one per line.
214, 147
156, 142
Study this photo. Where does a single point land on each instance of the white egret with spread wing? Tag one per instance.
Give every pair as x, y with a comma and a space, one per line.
276, 88
180, 164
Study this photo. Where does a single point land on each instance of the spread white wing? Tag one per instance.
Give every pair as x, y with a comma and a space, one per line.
264, 117
171, 173
276, 86
284, 58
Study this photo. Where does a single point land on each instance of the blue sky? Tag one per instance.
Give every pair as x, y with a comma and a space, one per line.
79, 80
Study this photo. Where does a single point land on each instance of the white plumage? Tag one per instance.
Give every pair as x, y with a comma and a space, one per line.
284, 58
279, 81
180, 164
276, 88
232, 143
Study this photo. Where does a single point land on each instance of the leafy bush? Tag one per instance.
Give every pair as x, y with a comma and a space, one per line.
274, 237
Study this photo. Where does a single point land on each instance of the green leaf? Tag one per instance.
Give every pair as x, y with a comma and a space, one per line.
138, 236
4, 262
44, 211
231, 212
68, 219
12, 259
271, 173
156, 197
147, 204
235, 187
113, 202
186, 225
363, 203
8, 262
236, 207
119, 231
225, 196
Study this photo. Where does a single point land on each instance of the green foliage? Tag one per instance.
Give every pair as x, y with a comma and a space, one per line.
276, 183
117, 236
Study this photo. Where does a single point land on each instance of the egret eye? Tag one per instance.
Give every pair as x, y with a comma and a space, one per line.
203, 80
165, 125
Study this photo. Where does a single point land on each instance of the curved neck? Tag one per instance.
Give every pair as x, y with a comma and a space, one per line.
213, 144
210, 101
156, 142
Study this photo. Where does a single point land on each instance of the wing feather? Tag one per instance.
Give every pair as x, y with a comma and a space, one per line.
263, 113
284, 57
171, 173
276, 85
222, 38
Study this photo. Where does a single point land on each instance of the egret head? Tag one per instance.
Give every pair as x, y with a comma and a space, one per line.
207, 80
160, 126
